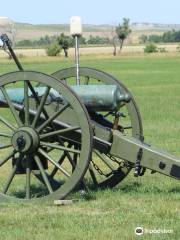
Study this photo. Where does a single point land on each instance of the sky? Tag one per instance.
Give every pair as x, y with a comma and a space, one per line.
91, 11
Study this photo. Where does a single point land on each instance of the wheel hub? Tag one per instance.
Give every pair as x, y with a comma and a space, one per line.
25, 140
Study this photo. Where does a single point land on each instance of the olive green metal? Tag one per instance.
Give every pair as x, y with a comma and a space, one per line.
26, 103
92, 77
8, 135
108, 163
10, 178
58, 132
29, 152
52, 130
11, 154
7, 124
5, 146
152, 158
52, 118
43, 173
25, 139
54, 163
59, 147
41, 105
10, 104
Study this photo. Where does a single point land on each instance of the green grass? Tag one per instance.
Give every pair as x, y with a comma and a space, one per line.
151, 201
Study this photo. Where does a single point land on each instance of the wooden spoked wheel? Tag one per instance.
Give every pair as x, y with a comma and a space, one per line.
31, 143
105, 170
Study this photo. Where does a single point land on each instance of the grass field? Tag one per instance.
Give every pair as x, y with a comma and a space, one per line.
152, 201
95, 51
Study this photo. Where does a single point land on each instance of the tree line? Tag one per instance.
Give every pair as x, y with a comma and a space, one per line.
54, 44
171, 36
47, 40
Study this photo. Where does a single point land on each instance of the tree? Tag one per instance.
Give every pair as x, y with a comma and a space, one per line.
98, 40
155, 38
82, 40
115, 42
143, 39
114, 39
123, 30
65, 42
53, 50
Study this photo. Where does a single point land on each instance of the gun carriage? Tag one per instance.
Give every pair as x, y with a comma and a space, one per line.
78, 128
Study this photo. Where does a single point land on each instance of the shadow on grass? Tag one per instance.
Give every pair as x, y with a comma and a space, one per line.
136, 187
132, 188
36, 192
174, 190
89, 195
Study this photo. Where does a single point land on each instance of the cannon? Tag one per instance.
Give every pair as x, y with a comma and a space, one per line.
78, 128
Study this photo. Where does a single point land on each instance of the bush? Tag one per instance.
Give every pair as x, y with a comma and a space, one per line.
53, 50
178, 48
162, 50
150, 48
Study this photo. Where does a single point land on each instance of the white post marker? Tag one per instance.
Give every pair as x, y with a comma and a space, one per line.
1, 43
76, 32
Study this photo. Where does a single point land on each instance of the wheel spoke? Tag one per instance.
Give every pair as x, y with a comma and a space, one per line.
7, 123
26, 103
55, 146
75, 157
11, 106
54, 183
43, 173
41, 106
93, 175
59, 132
37, 99
5, 146
65, 154
64, 80
86, 80
104, 160
92, 76
50, 119
7, 158
28, 178
54, 171
54, 162
33, 92
11, 176
127, 127
8, 135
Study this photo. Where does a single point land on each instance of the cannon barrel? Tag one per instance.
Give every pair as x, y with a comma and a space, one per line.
53, 127
52, 137
94, 97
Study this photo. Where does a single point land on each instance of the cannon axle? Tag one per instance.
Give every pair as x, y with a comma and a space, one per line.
59, 136
25, 139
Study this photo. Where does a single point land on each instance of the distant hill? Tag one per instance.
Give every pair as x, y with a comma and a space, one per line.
32, 31
155, 26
